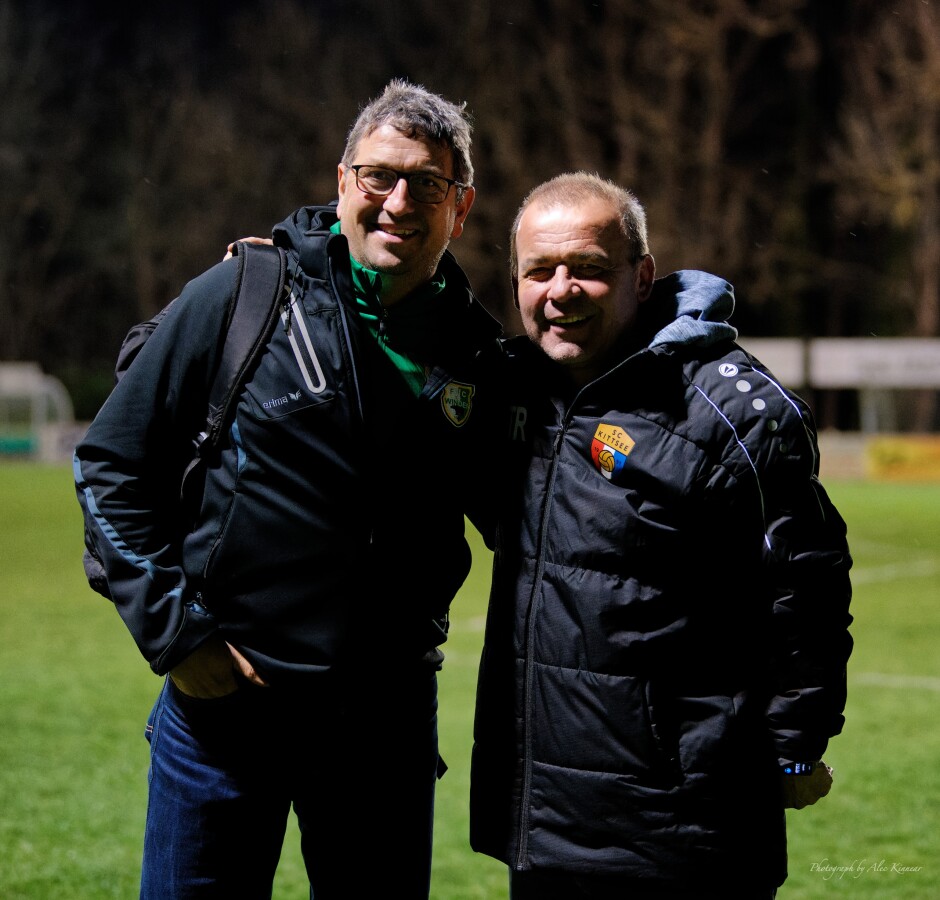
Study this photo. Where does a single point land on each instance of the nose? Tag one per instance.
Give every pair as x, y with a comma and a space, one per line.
561, 286
399, 200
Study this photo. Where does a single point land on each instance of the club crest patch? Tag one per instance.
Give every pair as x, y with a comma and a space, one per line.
610, 448
457, 401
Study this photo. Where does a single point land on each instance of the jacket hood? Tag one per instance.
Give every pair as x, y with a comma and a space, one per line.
291, 233
691, 308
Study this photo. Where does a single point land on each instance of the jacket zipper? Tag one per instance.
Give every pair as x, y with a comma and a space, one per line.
529, 648
294, 321
347, 339
349, 355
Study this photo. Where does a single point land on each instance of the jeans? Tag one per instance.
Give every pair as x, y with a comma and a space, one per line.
357, 761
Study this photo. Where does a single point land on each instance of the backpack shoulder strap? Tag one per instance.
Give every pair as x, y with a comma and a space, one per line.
251, 319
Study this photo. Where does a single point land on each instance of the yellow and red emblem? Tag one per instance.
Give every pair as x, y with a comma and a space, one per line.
610, 448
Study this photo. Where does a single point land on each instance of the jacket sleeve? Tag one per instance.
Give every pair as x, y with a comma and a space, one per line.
129, 469
808, 561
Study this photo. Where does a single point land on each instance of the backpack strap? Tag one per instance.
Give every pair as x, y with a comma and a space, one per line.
251, 319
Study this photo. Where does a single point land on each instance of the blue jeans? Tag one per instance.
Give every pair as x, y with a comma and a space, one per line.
357, 761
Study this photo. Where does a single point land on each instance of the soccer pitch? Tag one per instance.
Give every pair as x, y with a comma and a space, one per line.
74, 696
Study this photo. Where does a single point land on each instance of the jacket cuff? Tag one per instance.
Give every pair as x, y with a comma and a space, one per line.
197, 625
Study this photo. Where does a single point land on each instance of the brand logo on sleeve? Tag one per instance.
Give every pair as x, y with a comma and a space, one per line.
457, 401
610, 448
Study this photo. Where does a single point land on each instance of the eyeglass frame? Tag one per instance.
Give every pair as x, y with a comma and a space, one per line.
407, 176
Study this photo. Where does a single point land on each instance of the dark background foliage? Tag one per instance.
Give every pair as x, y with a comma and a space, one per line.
792, 146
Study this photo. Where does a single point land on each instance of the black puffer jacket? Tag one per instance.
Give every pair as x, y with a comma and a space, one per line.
668, 613
330, 525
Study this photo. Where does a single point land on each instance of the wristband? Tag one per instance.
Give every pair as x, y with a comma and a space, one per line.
798, 768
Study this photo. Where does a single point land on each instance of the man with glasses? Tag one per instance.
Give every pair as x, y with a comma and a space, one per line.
298, 615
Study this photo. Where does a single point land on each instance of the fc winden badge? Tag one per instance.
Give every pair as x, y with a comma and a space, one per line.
457, 401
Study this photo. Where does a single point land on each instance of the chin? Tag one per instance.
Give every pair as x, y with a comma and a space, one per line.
566, 355
386, 264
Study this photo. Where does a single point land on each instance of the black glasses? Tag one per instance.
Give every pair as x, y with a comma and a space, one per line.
422, 186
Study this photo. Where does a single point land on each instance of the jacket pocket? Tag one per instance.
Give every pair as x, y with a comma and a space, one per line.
706, 734
302, 364
597, 722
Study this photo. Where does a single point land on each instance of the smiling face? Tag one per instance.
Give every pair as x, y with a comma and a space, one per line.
578, 291
396, 235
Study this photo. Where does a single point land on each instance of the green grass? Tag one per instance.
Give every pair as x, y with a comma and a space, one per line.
74, 696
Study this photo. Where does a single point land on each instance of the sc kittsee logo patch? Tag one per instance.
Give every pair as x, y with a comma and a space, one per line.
457, 402
610, 448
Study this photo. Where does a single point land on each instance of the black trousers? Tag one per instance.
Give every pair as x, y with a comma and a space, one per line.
556, 884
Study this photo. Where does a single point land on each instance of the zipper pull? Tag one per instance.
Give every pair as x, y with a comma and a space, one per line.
197, 605
288, 314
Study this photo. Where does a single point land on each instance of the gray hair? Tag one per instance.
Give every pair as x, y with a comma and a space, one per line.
572, 188
416, 112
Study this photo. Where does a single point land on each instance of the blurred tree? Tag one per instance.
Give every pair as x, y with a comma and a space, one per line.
885, 158
790, 145
885, 164
44, 143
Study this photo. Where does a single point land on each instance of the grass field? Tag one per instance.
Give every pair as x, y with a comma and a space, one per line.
74, 696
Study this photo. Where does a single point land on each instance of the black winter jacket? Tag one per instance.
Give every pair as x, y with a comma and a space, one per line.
329, 526
668, 614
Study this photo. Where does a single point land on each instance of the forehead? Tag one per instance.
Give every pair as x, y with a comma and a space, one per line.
386, 145
560, 231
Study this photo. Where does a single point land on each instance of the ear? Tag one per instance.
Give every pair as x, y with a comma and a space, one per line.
341, 171
644, 273
461, 210
515, 290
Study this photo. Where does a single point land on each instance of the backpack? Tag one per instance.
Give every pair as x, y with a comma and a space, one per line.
251, 316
